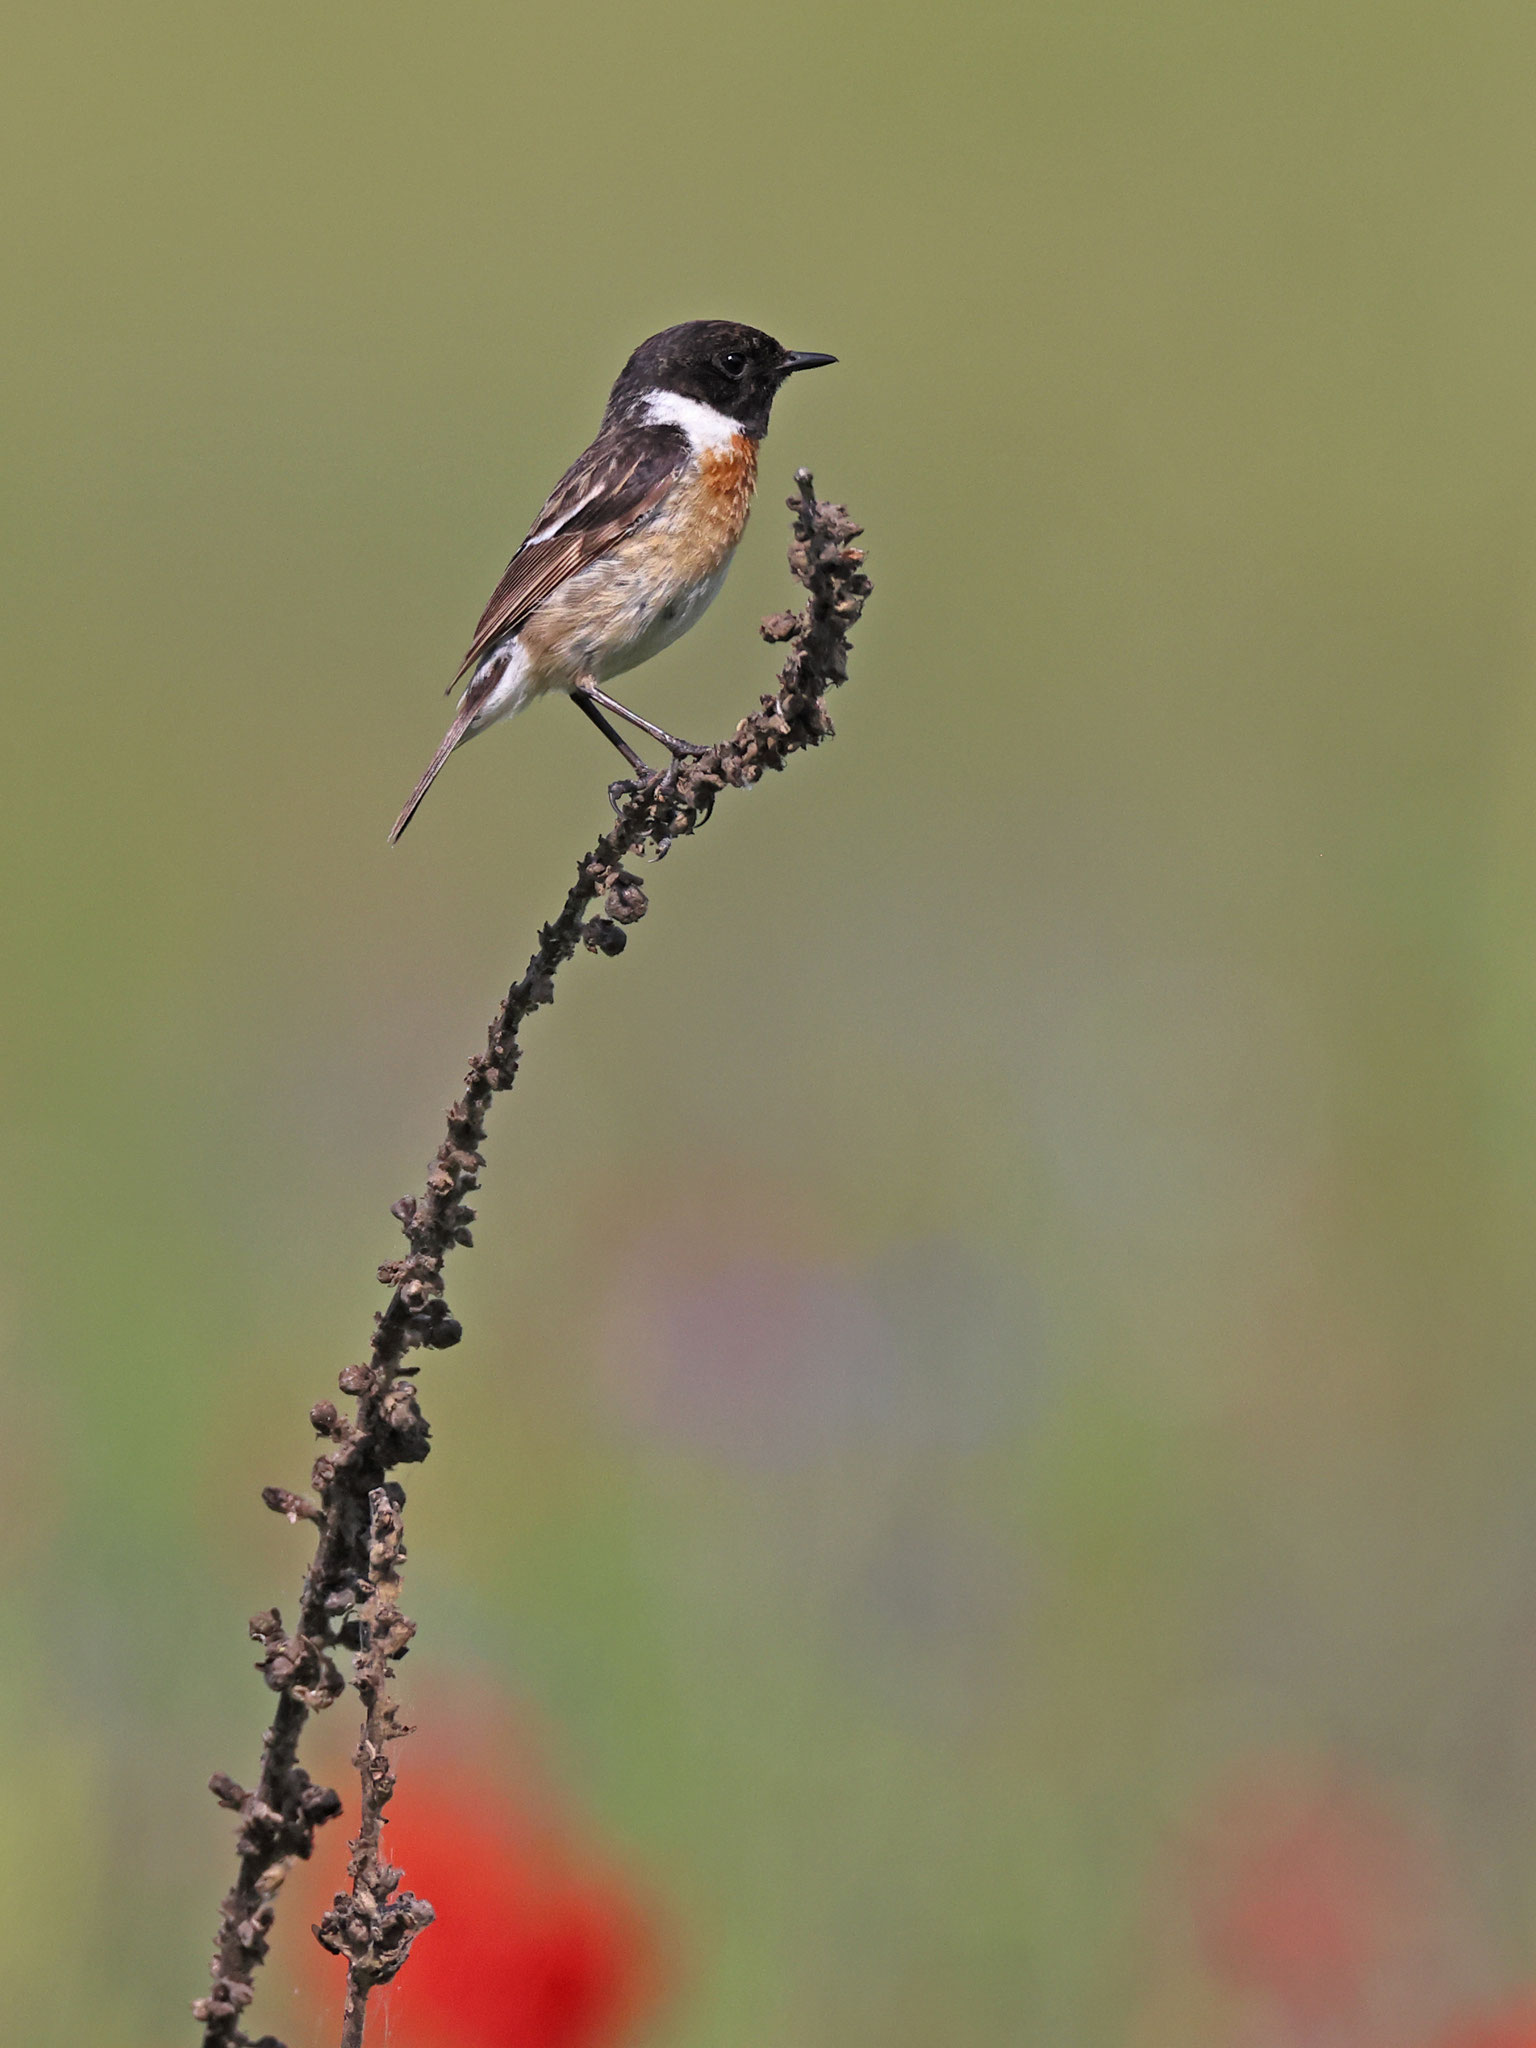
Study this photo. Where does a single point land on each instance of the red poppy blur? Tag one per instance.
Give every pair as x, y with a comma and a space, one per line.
1303, 1894
1513, 2026
536, 1944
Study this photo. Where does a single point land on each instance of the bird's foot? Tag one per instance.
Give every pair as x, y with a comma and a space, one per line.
619, 793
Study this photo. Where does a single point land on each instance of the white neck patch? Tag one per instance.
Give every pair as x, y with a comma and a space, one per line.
706, 429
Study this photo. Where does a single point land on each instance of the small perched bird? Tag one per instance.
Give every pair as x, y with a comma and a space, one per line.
634, 540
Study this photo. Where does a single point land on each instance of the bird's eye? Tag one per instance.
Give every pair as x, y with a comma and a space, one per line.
732, 363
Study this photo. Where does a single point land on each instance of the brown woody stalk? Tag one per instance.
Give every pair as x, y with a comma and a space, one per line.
349, 1599
374, 1925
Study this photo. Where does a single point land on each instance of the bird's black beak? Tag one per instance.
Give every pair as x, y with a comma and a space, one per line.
802, 359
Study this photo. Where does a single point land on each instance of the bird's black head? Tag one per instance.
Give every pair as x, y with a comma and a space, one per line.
733, 369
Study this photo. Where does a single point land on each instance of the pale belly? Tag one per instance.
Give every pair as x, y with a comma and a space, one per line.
620, 610
626, 649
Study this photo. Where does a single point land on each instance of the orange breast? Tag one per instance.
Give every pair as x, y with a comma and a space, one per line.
727, 476
701, 518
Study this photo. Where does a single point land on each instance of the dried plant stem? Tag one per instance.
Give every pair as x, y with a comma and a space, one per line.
374, 1925
350, 1593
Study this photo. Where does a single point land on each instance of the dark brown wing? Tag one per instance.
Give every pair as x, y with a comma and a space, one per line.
605, 493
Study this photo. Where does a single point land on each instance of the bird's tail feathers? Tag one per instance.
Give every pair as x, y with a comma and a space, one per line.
456, 732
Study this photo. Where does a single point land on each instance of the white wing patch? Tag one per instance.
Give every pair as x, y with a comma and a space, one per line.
563, 518
706, 429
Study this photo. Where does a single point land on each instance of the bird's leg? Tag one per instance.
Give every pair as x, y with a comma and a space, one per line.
582, 696
679, 749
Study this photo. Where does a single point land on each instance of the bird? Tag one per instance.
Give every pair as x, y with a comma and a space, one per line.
634, 541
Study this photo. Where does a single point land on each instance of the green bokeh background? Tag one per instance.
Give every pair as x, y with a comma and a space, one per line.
1124, 1037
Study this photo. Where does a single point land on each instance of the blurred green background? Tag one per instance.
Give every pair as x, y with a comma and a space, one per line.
992, 1456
